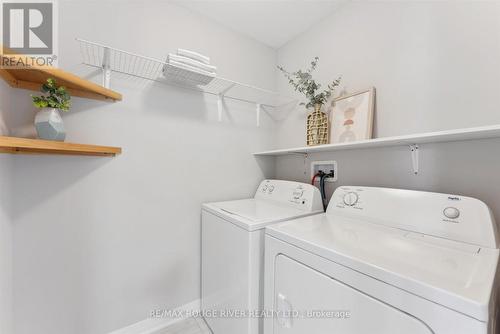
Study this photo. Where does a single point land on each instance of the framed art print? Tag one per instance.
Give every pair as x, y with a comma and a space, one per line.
352, 117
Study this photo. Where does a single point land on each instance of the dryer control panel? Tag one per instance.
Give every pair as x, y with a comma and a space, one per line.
447, 216
295, 194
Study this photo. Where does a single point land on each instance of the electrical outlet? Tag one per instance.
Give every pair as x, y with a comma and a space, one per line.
326, 167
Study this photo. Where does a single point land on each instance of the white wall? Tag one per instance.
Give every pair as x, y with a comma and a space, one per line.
435, 67
5, 220
5, 247
100, 242
433, 63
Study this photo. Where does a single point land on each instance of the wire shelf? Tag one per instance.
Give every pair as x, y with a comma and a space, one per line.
115, 60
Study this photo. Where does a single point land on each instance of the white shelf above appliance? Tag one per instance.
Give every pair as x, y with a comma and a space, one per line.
412, 141
110, 60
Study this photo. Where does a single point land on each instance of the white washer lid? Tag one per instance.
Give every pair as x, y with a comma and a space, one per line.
253, 214
456, 275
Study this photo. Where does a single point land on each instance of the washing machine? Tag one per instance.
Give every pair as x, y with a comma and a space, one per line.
384, 261
233, 251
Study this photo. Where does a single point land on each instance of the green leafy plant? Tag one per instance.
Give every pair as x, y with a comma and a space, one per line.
303, 82
55, 97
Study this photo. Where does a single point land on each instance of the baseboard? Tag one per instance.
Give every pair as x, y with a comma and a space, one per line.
155, 325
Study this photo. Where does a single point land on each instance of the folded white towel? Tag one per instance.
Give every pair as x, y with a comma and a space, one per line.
193, 55
186, 75
191, 62
191, 68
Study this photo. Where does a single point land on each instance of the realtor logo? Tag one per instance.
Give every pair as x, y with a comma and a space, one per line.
29, 29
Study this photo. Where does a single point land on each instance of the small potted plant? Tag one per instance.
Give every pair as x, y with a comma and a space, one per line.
48, 122
317, 121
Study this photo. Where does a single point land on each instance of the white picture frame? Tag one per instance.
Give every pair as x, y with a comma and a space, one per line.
352, 117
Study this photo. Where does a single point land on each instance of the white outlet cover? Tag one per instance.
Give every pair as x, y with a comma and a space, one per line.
314, 165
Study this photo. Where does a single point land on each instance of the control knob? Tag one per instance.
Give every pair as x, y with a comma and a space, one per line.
297, 193
351, 198
451, 212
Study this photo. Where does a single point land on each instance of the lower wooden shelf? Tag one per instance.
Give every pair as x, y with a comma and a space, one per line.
37, 146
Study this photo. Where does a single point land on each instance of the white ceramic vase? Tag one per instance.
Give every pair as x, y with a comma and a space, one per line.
49, 124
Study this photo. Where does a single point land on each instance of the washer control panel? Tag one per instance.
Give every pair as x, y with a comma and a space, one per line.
295, 194
452, 217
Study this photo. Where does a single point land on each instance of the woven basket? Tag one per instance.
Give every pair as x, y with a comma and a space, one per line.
317, 127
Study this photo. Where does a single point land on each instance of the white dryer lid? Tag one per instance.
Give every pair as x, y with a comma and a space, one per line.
457, 275
253, 214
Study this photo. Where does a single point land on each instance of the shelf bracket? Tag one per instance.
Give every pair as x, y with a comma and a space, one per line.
414, 158
220, 101
219, 107
257, 111
106, 68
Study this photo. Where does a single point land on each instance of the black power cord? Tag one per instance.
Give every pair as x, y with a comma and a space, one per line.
322, 188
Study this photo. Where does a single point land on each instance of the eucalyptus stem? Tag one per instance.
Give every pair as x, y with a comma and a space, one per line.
303, 82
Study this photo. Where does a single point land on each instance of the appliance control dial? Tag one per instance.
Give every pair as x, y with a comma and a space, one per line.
351, 198
451, 212
297, 193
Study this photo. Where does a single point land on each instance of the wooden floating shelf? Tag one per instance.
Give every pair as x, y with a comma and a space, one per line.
483, 132
37, 146
31, 77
